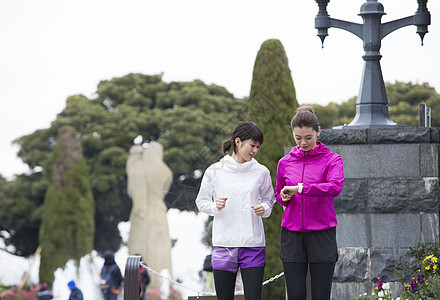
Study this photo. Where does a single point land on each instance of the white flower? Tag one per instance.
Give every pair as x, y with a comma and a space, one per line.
380, 294
386, 286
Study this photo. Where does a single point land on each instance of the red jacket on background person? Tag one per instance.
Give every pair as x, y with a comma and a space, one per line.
322, 174
144, 280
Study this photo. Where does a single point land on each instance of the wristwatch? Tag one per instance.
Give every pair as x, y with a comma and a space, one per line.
300, 188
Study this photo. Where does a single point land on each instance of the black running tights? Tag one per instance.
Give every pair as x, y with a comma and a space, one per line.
321, 280
224, 282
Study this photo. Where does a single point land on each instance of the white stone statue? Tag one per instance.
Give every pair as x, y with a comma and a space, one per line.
149, 179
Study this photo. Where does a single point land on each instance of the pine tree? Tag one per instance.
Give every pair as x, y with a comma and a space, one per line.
272, 105
68, 226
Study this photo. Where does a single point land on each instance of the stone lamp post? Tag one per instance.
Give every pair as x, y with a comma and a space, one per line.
372, 102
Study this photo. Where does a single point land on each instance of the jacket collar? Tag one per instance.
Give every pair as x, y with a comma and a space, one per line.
319, 149
229, 162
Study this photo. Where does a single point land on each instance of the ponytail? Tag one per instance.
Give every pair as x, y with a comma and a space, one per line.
226, 146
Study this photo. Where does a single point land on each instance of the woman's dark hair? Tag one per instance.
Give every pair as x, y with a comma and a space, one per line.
305, 117
244, 131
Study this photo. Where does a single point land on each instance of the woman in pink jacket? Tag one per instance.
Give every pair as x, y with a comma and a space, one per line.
308, 179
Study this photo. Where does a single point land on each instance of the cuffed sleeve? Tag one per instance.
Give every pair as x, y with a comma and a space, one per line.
280, 183
267, 196
205, 199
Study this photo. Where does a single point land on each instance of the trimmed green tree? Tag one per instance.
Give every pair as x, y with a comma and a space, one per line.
67, 228
190, 119
272, 104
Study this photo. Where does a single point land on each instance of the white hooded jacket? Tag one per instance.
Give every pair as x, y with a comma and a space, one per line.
244, 185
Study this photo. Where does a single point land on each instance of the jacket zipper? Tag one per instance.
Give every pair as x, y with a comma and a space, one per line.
302, 198
239, 203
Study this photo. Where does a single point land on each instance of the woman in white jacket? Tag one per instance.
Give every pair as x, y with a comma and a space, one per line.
238, 192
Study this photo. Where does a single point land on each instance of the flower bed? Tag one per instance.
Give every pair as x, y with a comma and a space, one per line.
424, 284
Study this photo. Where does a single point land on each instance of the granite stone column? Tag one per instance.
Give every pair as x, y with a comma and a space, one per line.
389, 203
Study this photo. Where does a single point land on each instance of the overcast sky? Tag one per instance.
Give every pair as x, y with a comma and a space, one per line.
52, 49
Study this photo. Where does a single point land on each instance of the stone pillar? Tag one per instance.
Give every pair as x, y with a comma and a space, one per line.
389, 203
149, 179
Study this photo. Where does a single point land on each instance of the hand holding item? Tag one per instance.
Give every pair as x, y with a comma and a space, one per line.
287, 192
258, 209
220, 203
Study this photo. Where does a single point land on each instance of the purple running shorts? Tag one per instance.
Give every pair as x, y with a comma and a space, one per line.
230, 259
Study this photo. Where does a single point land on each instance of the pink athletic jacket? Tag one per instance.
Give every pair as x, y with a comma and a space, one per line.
322, 174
